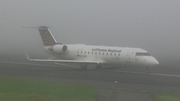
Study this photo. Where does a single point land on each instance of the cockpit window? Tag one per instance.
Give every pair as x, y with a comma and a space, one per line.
146, 54
142, 54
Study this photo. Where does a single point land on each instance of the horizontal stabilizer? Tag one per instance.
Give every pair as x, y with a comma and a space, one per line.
46, 35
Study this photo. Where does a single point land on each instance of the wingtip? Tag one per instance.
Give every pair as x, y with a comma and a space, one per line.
27, 56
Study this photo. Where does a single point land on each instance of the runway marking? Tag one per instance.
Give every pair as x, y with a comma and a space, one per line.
158, 74
143, 73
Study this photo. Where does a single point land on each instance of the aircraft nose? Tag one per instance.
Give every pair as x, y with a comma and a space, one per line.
155, 62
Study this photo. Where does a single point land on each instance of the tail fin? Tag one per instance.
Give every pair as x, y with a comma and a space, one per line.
46, 35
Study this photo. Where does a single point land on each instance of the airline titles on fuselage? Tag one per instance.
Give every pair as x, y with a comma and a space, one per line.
103, 51
106, 50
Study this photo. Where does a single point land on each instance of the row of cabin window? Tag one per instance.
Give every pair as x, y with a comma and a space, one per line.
142, 54
97, 52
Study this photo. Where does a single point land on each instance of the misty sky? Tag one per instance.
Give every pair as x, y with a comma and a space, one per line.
153, 25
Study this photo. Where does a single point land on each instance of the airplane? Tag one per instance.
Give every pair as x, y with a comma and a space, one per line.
92, 54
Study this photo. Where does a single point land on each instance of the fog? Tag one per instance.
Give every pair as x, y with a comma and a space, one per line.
153, 25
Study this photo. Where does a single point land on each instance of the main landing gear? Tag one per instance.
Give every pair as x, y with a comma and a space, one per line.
147, 70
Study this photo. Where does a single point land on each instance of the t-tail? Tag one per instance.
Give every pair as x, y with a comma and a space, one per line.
46, 35
48, 39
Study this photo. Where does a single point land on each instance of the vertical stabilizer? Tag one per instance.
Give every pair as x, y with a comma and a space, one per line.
46, 35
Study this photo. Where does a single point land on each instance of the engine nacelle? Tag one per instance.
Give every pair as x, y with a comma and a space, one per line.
60, 49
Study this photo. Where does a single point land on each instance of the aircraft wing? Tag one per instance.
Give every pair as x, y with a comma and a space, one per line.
65, 61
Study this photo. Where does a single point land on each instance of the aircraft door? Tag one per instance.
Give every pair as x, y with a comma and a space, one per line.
95, 55
128, 57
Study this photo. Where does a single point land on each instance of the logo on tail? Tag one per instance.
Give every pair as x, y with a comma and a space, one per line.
47, 37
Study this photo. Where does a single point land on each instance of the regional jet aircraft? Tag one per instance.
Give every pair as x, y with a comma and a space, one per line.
92, 54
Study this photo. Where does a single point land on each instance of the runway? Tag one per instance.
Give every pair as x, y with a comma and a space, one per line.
129, 79
58, 71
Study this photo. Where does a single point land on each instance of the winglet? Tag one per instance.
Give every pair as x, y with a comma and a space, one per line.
27, 56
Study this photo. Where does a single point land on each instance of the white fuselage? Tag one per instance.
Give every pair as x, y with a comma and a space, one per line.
107, 54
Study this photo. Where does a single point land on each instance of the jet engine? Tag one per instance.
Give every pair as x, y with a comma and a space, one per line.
60, 49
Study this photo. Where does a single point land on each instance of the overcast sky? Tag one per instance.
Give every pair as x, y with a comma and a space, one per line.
153, 25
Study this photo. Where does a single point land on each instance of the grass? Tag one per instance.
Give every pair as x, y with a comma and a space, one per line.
114, 93
29, 90
166, 97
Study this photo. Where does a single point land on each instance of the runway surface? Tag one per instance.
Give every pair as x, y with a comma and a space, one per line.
110, 75
130, 80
